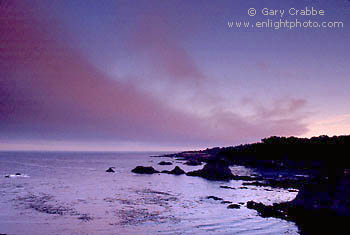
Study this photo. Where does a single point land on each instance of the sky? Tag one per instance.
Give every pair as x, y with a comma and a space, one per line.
169, 74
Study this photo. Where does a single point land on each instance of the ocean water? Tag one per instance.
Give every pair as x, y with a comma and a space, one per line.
70, 193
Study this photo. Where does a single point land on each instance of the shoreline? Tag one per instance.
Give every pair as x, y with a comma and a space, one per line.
312, 166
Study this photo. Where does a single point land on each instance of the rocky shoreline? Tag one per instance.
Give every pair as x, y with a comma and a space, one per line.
323, 183
320, 207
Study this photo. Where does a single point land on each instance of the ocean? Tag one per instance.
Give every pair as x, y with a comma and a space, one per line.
71, 193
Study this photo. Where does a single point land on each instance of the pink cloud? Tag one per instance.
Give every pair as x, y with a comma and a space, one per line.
154, 36
48, 90
278, 108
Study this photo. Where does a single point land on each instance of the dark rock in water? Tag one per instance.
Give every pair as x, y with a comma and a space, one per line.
176, 171
226, 202
18, 174
193, 162
243, 187
163, 163
7, 176
214, 170
267, 211
144, 170
85, 217
246, 178
110, 170
215, 198
233, 206
226, 187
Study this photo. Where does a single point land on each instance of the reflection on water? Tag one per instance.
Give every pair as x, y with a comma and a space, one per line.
70, 193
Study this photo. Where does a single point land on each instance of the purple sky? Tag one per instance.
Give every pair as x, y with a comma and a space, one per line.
167, 75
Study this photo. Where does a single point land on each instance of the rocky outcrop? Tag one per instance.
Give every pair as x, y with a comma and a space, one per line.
226, 187
144, 170
246, 177
110, 170
176, 171
226, 202
279, 183
276, 210
322, 205
214, 170
215, 198
233, 206
332, 196
164, 163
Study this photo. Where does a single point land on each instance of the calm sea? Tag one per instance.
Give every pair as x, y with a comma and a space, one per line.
70, 193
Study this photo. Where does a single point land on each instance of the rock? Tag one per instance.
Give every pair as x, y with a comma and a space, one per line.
254, 205
110, 170
246, 178
226, 202
163, 163
144, 170
328, 196
18, 174
193, 162
214, 170
215, 198
280, 183
176, 171
85, 217
313, 210
7, 176
267, 211
233, 206
226, 187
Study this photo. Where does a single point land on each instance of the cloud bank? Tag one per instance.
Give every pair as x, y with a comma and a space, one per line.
48, 91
